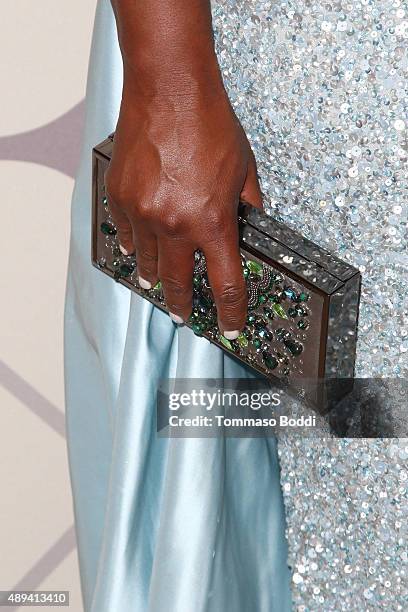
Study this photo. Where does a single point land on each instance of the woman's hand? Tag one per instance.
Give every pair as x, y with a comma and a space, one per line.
181, 160
178, 170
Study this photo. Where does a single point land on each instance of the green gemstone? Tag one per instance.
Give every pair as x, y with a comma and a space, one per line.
246, 272
157, 286
108, 229
242, 340
292, 312
302, 324
226, 342
269, 360
254, 267
198, 328
294, 347
262, 299
196, 280
257, 343
273, 298
277, 309
303, 297
251, 318
126, 270
104, 201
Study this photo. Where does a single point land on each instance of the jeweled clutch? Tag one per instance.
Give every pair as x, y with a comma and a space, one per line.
303, 301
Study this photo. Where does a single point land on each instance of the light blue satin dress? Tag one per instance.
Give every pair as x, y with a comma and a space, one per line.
177, 525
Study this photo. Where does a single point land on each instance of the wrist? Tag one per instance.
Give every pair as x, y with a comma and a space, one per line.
173, 79
168, 49
175, 86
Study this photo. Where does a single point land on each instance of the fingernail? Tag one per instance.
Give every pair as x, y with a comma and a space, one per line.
144, 283
176, 318
231, 335
123, 250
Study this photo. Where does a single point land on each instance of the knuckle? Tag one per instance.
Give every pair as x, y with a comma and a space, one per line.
215, 217
232, 296
144, 209
175, 288
147, 256
147, 263
147, 271
172, 225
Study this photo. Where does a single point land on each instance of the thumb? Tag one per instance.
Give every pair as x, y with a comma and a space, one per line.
251, 192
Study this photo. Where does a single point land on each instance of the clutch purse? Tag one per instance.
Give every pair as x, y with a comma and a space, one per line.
303, 301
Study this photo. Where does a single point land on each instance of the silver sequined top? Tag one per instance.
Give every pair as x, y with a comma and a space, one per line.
322, 91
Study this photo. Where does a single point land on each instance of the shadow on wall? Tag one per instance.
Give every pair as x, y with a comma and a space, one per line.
55, 144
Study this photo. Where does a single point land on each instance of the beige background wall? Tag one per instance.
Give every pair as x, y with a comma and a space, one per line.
44, 54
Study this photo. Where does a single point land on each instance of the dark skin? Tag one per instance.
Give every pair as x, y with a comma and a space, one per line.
181, 160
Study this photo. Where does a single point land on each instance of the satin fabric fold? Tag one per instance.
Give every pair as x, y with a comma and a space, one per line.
184, 525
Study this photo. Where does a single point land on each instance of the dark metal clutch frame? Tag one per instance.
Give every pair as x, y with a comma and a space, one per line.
269, 249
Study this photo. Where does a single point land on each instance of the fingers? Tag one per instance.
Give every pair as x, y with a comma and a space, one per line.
227, 282
176, 265
123, 227
170, 258
146, 255
251, 192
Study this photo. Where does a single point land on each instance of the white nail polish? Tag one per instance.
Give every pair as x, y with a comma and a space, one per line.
176, 318
123, 250
231, 335
144, 283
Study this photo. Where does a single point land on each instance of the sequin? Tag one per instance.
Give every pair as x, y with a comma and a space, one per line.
320, 89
